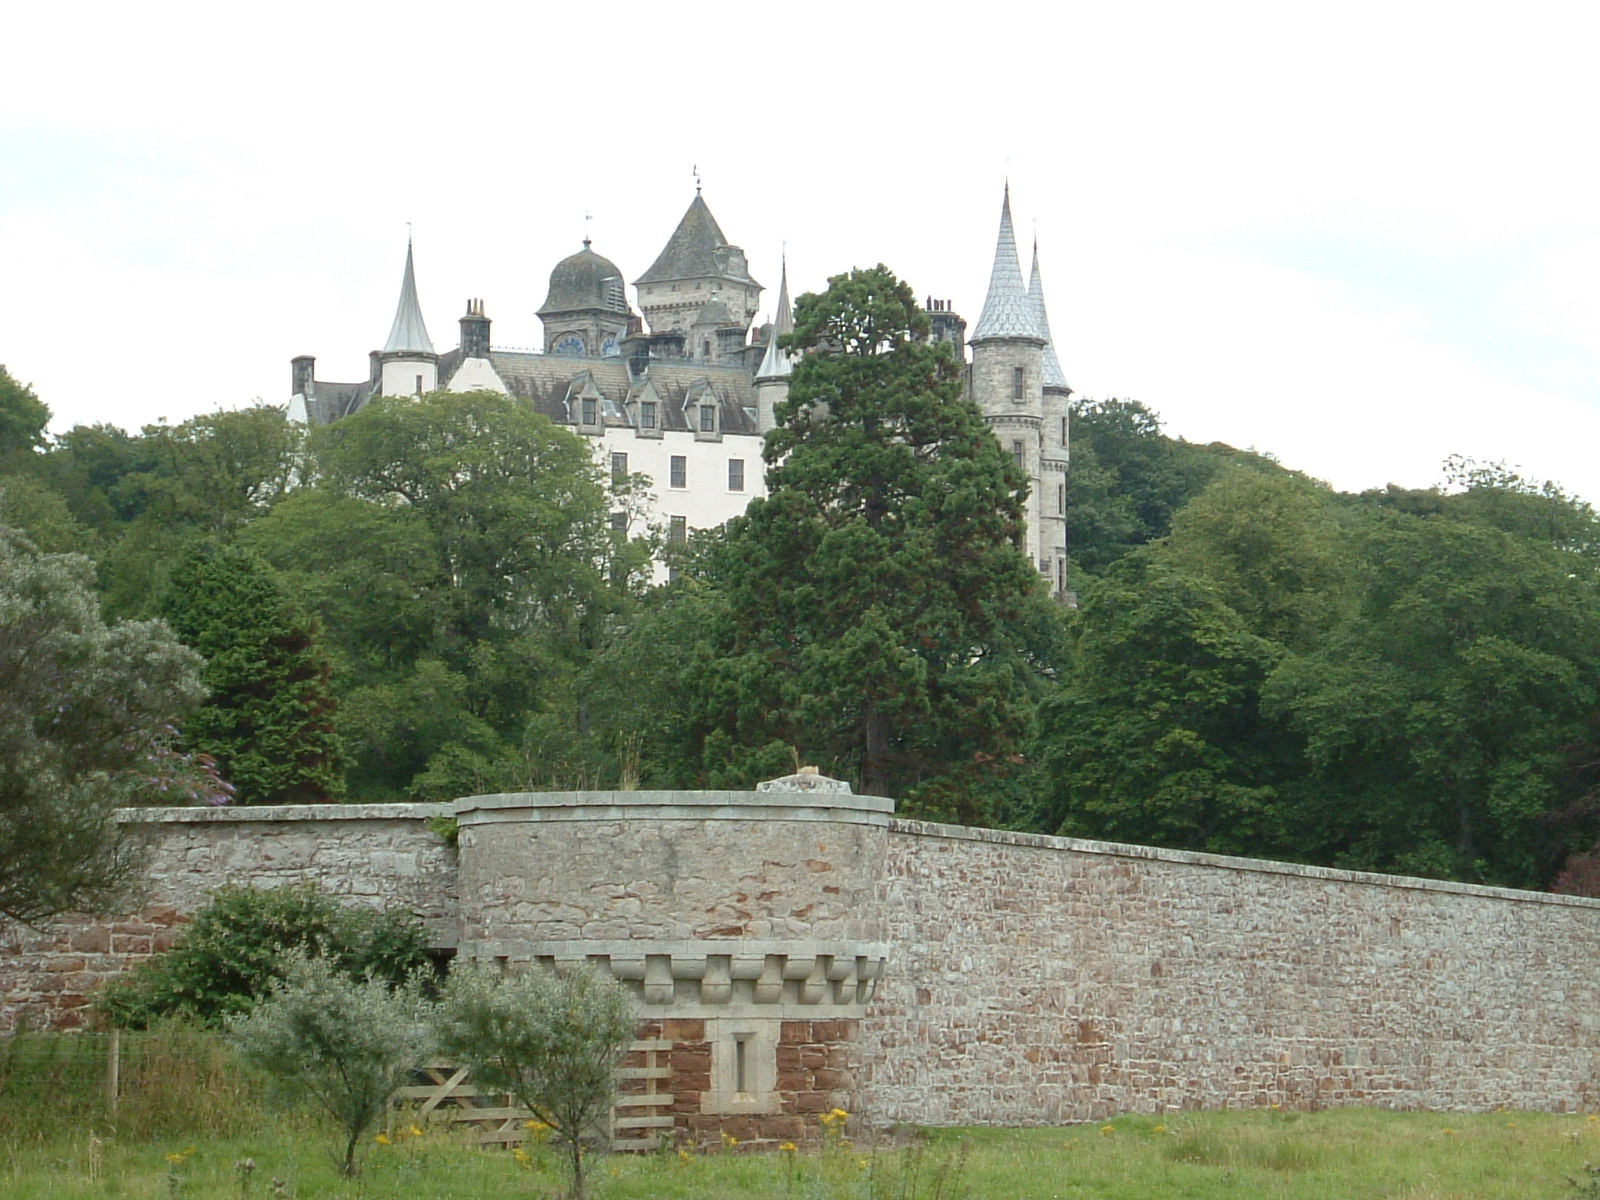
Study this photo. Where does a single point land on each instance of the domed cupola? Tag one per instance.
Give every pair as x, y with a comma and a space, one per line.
583, 282
586, 313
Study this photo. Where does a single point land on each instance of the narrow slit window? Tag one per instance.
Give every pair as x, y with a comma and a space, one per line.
741, 1063
1017, 380
1016, 451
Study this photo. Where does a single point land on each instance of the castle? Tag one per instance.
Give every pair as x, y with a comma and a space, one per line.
683, 391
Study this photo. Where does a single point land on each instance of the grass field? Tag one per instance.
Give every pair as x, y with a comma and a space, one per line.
1349, 1154
190, 1117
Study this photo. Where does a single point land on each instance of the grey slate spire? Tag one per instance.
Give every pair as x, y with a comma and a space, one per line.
1052, 375
408, 334
776, 362
1008, 311
697, 249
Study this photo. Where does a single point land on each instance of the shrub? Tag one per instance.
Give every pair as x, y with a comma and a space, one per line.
231, 953
348, 1045
554, 1041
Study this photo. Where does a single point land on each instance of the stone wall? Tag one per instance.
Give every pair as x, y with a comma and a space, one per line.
381, 855
793, 953
1036, 980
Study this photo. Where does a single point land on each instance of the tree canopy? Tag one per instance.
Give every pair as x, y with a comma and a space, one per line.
87, 713
874, 612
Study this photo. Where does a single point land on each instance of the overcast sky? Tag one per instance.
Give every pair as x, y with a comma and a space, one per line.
1361, 237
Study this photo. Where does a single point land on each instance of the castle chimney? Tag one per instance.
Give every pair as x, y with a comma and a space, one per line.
302, 369
474, 331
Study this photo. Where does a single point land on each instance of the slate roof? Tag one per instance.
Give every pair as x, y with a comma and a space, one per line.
408, 333
777, 363
585, 280
696, 250
1053, 375
1007, 311
331, 401
554, 383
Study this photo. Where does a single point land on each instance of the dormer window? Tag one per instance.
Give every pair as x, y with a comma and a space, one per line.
591, 410
708, 419
647, 414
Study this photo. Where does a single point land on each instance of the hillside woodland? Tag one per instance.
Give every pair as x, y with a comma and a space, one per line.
428, 599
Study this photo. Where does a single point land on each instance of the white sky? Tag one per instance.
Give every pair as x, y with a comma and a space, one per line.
1359, 236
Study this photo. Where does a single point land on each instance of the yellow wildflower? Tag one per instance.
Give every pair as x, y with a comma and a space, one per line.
788, 1147
1107, 1130
1160, 1129
382, 1139
1449, 1132
415, 1132
683, 1155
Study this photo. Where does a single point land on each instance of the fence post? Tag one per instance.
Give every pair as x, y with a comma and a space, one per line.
113, 1069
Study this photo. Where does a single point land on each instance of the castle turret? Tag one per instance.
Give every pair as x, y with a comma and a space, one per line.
407, 363
586, 312
697, 267
1007, 375
1053, 443
772, 376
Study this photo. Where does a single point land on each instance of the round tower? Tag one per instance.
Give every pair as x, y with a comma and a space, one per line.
1007, 377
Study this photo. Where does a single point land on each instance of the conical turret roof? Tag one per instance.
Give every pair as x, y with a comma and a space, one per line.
776, 362
408, 333
1052, 373
1007, 311
696, 250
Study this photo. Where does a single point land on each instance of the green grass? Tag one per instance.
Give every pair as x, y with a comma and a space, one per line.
182, 1089
1349, 1154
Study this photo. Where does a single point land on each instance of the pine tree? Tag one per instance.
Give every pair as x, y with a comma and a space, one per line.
268, 721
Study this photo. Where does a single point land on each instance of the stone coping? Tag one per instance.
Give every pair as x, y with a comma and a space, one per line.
674, 806
244, 814
1262, 866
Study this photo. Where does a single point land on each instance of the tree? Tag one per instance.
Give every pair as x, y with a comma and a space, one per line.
348, 1044
87, 713
268, 717
879, 611
460, 550
23, 417
554, 1041
236, 947
1156, 735
1439, 714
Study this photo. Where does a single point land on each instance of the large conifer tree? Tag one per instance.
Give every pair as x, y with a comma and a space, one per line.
878, 606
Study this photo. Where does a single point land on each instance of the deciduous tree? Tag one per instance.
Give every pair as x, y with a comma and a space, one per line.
87, 714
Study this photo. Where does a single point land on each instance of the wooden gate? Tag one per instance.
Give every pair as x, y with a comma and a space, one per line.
642, 1113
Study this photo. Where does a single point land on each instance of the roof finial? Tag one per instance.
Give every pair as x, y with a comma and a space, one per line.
587, 218
696, 169
408, 235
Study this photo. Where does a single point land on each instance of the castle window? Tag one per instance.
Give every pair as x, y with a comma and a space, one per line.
708, 419
1016, 383
419, 385
1063, 431
1061, 498
705, 349
1016, 451
619, 467
647, 414
679, 476
736, 474
591, 411
619, 521
677, 530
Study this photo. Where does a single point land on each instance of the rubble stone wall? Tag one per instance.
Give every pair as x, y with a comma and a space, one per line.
1034, 980
381, 855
